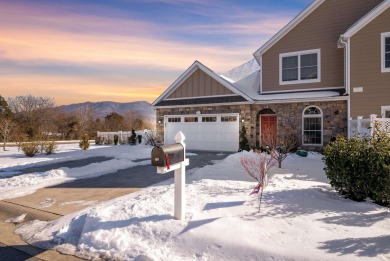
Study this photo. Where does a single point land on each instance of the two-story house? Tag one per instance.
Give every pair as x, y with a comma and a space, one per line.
331, 62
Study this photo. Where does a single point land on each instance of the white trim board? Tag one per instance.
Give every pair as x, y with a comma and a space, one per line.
338, 98
201, 105
202, 97
305, 90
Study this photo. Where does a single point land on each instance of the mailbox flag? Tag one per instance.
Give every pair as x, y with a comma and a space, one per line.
167, 161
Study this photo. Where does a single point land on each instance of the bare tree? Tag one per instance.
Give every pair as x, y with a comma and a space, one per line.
33, 113
281, 143
7, 129
85, 119
135, 120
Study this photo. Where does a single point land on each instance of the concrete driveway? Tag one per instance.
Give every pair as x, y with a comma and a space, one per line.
53, 202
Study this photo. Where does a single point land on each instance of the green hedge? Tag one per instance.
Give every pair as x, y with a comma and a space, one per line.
360, 168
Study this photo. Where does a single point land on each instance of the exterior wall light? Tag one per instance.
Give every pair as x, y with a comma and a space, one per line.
198, 112
242, 120
159, 122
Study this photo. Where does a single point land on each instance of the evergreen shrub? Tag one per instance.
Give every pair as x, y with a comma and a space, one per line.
244, 144
116, 139
360, 167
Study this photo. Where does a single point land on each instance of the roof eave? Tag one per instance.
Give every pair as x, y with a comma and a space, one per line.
369, 17
294, 22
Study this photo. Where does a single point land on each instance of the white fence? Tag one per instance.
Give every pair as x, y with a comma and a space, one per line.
365, 127
123, 136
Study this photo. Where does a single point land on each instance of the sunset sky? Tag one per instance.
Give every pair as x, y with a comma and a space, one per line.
126, 50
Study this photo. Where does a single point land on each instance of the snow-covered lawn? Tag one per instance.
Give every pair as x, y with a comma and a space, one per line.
302, 218
12, 161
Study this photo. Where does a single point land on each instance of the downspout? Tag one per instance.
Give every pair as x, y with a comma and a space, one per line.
347, 75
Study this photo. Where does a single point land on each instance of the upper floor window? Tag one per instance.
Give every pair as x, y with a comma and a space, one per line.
300, 67
385, 39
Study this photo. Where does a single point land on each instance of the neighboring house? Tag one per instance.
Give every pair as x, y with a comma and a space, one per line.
331, 62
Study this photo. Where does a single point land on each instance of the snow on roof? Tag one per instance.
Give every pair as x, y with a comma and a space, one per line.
241, 71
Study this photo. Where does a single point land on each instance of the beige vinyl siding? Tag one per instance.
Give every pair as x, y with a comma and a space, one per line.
366, 69
199, 84
320, 30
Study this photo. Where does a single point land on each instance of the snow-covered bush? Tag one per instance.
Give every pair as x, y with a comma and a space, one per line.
49, 147
150, 138
360, 167
108, 140
30, 148
84, 143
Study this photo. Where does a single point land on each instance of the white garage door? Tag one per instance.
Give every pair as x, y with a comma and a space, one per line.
215, 132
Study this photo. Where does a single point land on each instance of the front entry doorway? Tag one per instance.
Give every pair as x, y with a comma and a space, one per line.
268, 130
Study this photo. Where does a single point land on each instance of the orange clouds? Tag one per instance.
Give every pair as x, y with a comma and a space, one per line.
41, 35
65, 89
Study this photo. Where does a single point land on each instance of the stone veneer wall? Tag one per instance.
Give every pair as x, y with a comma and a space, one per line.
289, 116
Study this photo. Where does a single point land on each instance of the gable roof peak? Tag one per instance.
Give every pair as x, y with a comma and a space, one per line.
198, 65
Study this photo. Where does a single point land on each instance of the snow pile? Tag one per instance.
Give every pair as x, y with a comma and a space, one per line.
16, 220
14, 159
299, 211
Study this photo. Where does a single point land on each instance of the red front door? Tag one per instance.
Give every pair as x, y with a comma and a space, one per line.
268, 130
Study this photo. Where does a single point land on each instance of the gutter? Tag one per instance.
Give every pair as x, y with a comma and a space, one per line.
336, 98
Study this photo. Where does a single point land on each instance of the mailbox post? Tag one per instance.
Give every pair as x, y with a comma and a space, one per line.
180, 183
172, 157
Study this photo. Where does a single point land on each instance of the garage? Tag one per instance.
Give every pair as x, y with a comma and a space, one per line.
212, 132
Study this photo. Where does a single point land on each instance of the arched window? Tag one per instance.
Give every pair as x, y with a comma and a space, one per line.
312, 126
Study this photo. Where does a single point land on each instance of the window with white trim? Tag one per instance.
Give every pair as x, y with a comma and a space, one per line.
312, 126
385, 52
300, 67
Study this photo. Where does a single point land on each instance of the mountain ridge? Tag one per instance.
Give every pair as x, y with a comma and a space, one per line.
101, 109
